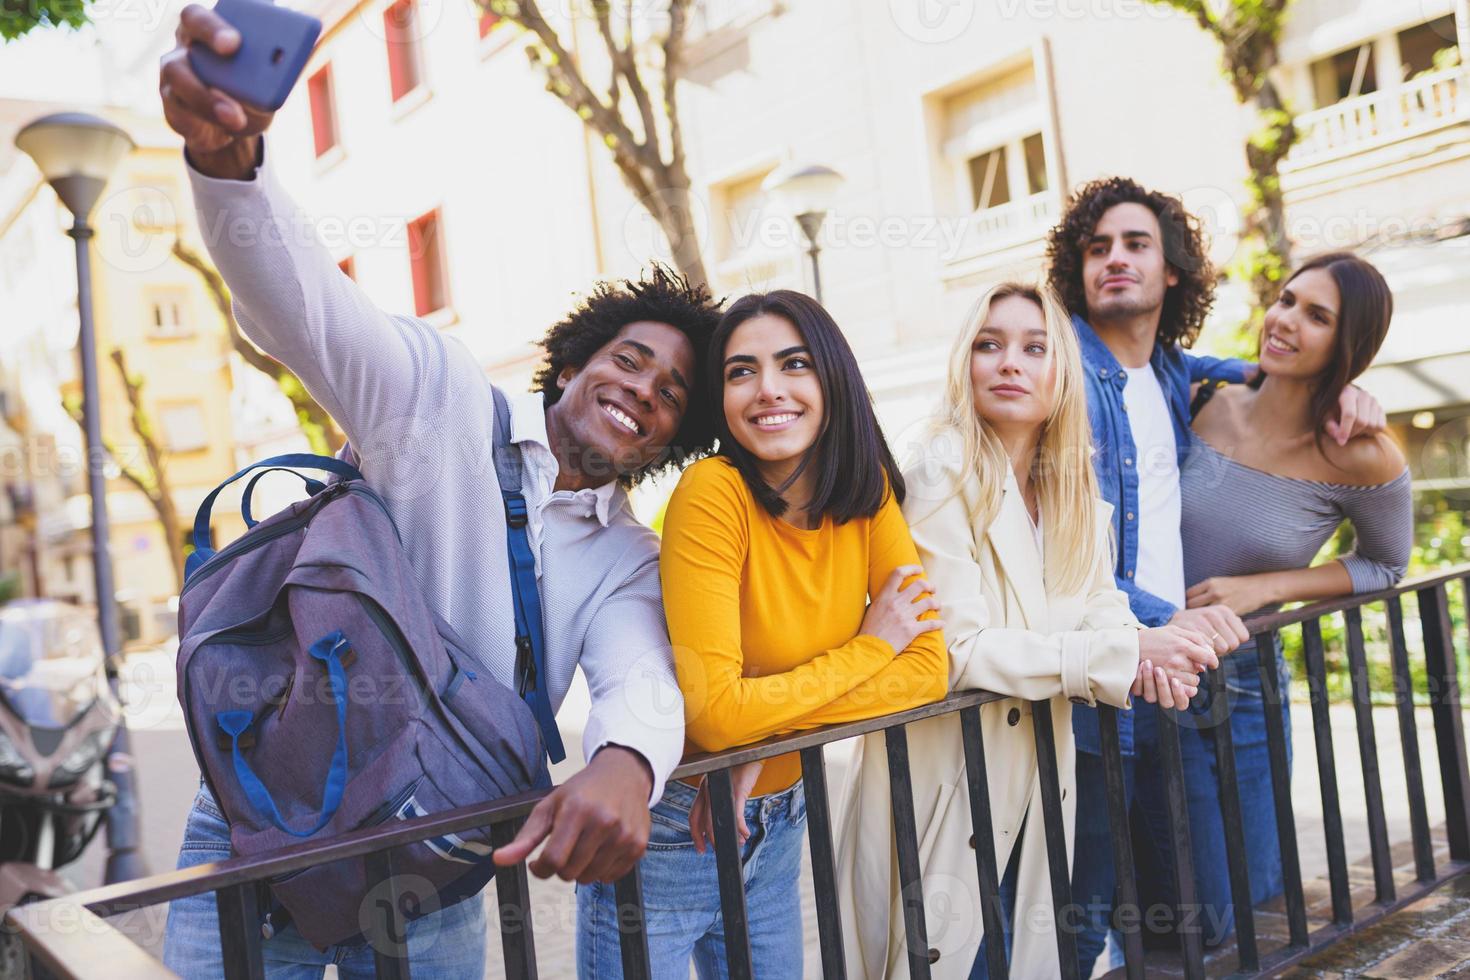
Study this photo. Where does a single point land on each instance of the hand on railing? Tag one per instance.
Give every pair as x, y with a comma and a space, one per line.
894, 612
1219, 625
701, 817
1157, 686
595, 824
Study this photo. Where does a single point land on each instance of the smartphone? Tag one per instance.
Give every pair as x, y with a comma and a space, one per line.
275, 44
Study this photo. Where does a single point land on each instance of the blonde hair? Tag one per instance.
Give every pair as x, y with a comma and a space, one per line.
1065, 482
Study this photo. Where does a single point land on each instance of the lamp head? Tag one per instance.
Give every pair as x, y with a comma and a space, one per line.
76, 153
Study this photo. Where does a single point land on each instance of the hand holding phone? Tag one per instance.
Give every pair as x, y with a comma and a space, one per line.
221, 132
275, 44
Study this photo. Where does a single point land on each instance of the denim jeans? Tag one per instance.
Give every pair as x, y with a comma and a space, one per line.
681, 895
1245, 707
449, 943
1094, 874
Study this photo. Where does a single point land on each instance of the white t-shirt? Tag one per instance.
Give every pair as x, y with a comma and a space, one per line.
1160, 552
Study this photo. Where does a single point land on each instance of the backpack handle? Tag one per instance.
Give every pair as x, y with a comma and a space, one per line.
313, 487
202, 551
328, 650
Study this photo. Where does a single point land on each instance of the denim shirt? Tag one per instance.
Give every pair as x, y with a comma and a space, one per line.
1115, 459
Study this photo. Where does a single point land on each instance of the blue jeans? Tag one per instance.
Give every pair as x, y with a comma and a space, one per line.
1094, 874
449, 943
681, 895
1245, 707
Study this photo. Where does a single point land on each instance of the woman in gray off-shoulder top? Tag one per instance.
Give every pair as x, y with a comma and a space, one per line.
1262, 490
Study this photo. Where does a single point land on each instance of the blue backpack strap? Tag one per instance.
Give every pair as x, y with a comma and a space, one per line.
313, 487
329, 650
525, 596
202, 551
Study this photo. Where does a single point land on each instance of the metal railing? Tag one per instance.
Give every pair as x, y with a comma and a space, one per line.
69, 938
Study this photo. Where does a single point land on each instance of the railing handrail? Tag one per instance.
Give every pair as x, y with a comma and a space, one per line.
1313, 117
232, 879
1291, 617
178, 884
171, 885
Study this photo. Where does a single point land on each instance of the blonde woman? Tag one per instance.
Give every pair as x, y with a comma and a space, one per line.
1005, 512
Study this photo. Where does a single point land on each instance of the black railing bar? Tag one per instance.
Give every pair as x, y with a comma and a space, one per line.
906, 846
730, 867
170, 885
706, 762
166, 886
1323, 937
388, 934
1409, 743
1441, 668
1332, 829
1232, 821
1292, 617
1368, 754
987, 868
1130, 920
1276, 736
513, 908
632, 927
72, 943
239, 932
1189, 926
824, 865
1058, 866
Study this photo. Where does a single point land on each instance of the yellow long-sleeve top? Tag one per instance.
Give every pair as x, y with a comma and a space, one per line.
764, 618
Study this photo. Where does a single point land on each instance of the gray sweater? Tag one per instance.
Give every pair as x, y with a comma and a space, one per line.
1237, 520
419, 412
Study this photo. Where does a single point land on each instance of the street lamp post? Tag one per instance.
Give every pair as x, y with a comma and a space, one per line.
76, 153
807, 191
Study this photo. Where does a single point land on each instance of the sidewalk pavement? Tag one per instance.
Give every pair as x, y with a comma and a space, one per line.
168, 778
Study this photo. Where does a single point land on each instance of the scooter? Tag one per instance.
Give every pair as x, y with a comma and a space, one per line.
59, 721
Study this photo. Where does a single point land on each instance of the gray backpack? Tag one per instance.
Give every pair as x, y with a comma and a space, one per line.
322, 695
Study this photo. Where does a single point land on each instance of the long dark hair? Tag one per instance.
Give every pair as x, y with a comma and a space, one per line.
854, 469
1365, 307
1185, 249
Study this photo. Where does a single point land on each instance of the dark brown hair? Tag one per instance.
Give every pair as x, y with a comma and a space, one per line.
854, 470
1186, 304
1365, 307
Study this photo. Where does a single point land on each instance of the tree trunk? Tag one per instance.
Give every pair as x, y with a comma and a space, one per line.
1268, 221
320, 429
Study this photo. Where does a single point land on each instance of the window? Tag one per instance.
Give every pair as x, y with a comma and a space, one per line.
1420, 45
349, 267
989, 183
323, 112
1345, 75
168, 314
993, 134
184, 430
426, 259
488, 23
400, 28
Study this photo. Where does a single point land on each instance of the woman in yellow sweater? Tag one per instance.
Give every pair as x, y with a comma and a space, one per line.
771, 552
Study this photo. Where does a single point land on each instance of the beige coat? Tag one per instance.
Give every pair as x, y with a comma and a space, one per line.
1007, 633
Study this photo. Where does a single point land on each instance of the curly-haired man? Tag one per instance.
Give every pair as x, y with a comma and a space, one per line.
618, 399
1133, 268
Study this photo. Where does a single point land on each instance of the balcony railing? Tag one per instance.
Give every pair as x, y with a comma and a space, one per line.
68, 936
1419, 106
993, 230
